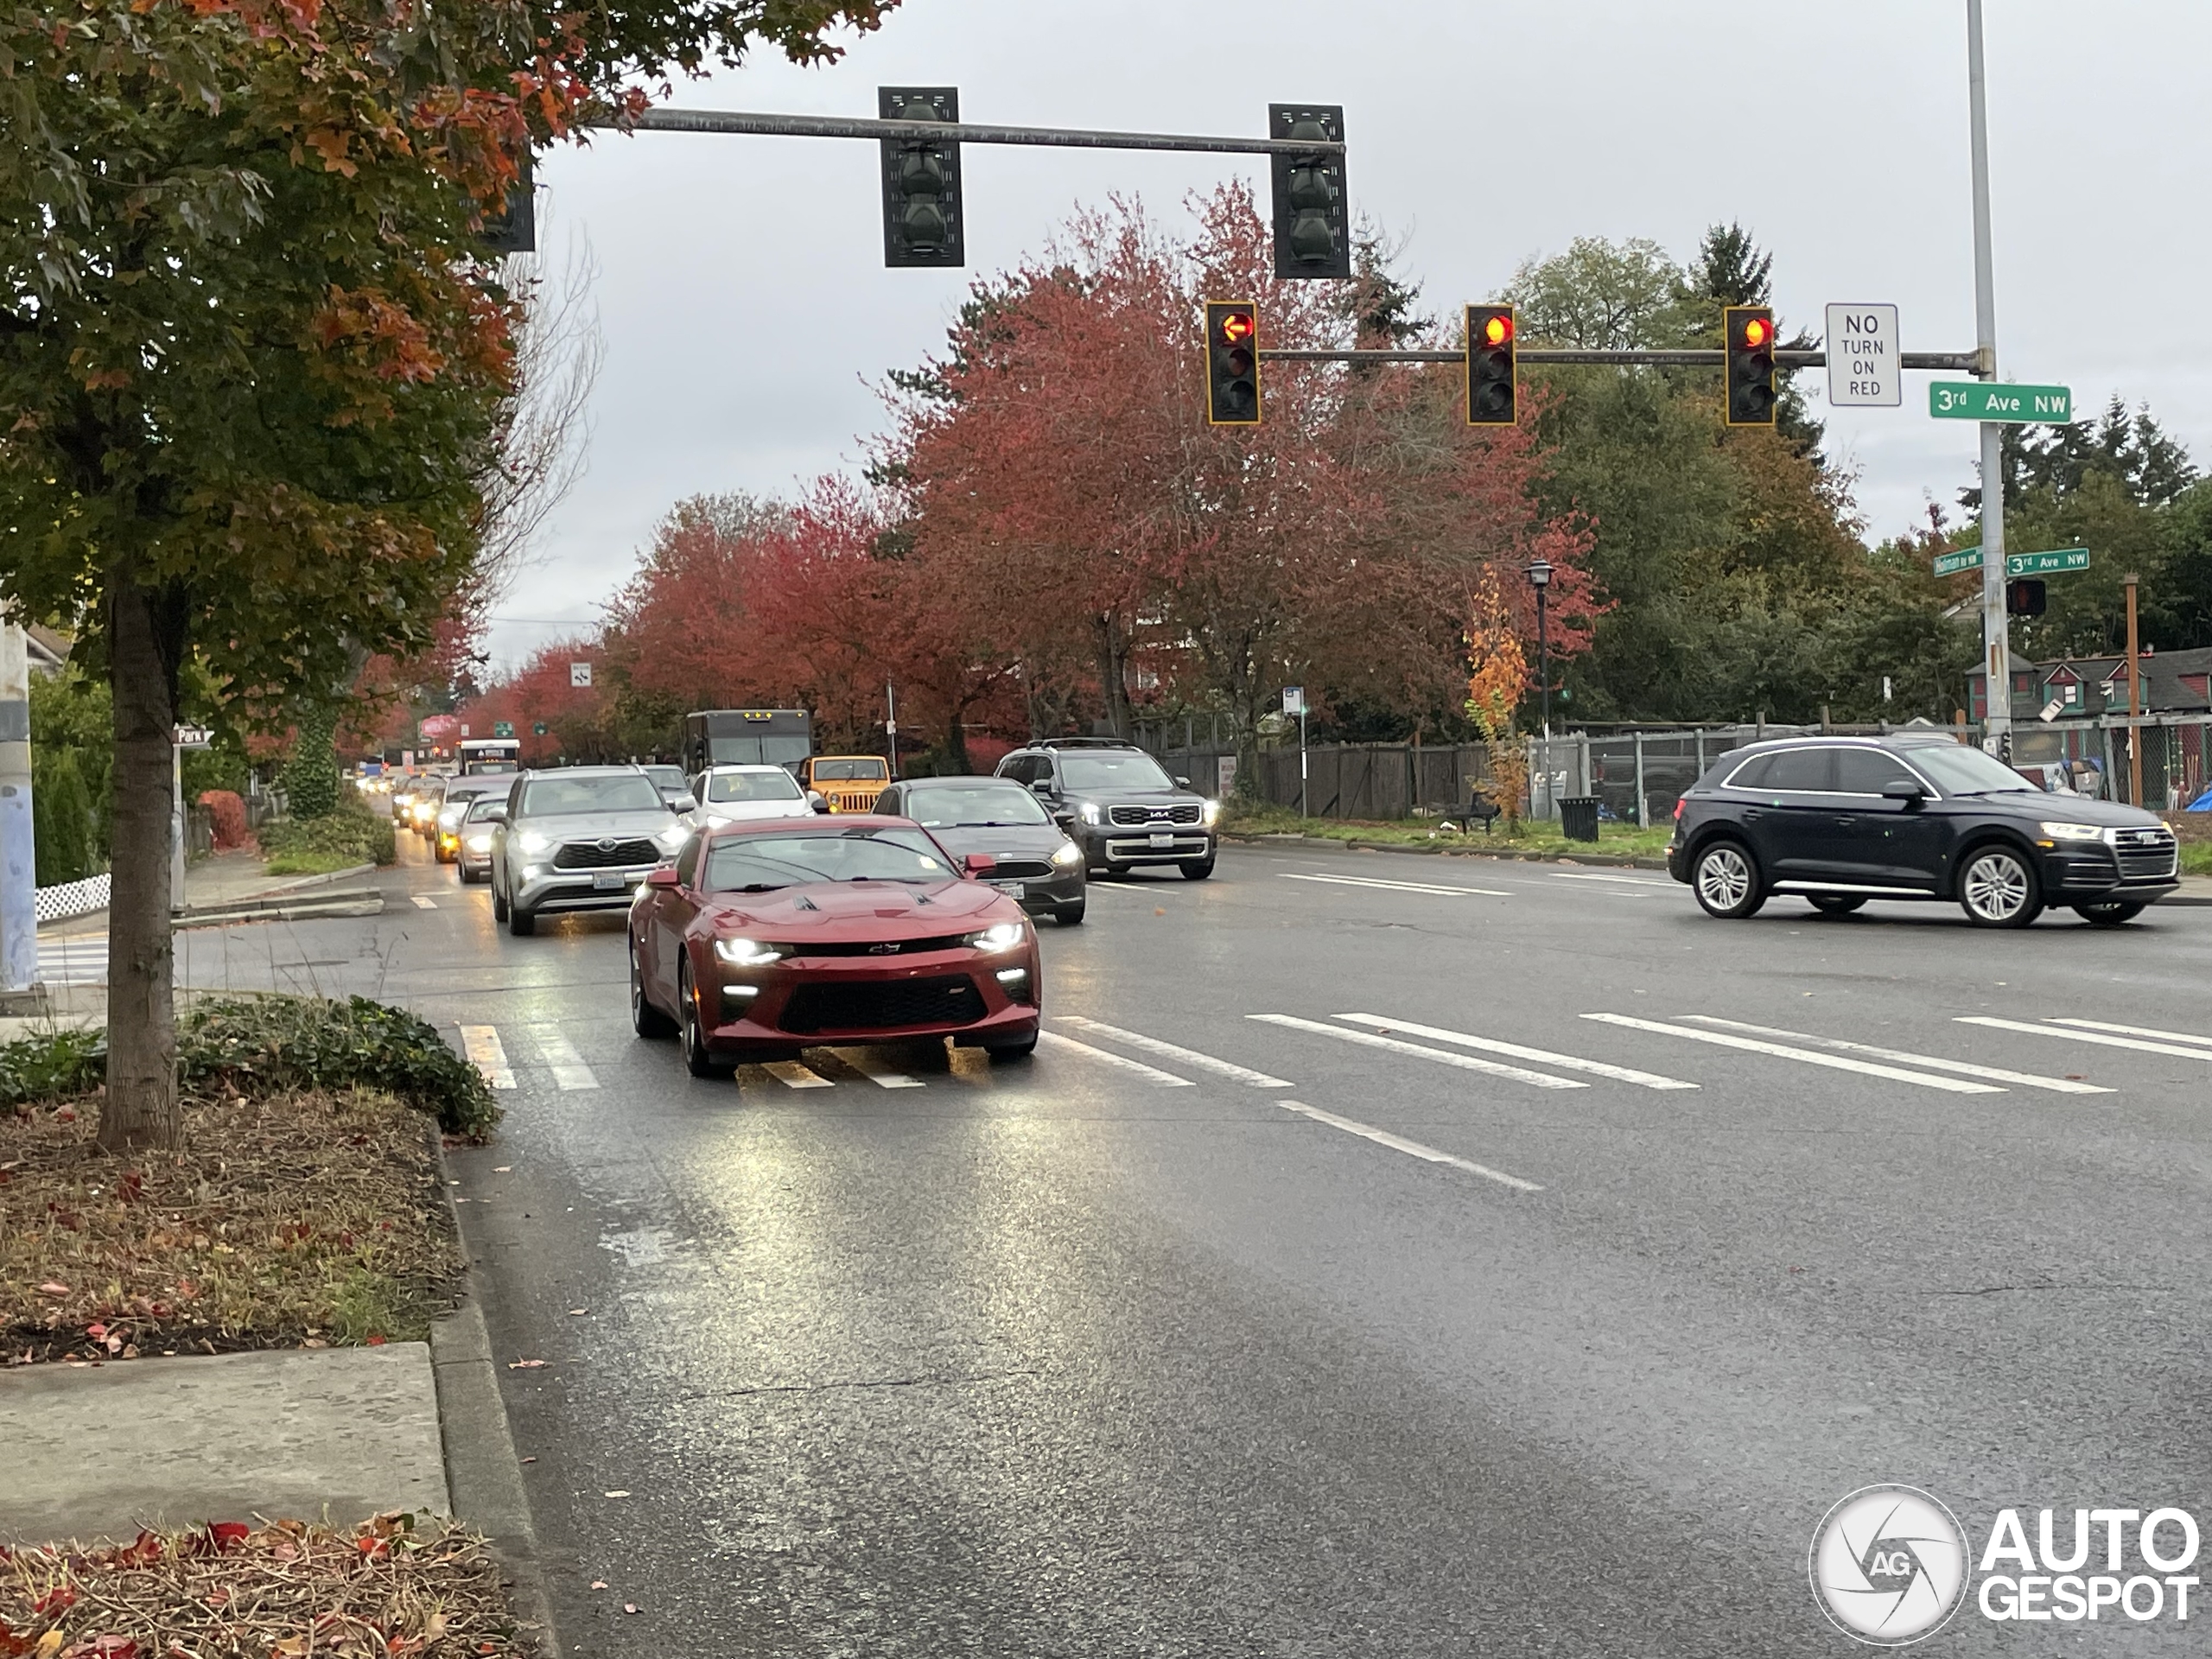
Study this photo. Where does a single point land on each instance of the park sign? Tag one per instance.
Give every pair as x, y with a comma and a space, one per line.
2017, 564
1985, 400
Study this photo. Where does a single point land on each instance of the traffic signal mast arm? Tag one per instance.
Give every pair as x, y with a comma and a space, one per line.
1692, 358
956, 132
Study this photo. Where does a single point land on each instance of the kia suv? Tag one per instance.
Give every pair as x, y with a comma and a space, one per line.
1118, 805
578, 839
1840, 821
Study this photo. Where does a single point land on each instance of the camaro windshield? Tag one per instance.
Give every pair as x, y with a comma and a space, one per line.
1107, 773
949, 806
776, 785
547, 798
1959, 770
757, 863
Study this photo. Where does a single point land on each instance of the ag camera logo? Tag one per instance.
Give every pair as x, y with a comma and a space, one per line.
1889, 1565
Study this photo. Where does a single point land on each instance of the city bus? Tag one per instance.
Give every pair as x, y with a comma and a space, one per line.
726, 737
480, 755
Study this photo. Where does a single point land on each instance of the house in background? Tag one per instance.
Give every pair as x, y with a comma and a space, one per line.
2078, 690
48, 651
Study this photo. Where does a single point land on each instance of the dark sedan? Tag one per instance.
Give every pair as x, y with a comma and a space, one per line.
1844, 820
1030, 858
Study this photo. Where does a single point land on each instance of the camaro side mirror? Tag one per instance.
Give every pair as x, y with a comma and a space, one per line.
663, 875
1910, 793
976, 863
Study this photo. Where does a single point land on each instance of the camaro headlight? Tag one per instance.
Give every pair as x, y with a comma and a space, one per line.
479, 843
531, 842
1068, 855
2073, 832
1212, 813
750, 953
1000, 935
1090, 812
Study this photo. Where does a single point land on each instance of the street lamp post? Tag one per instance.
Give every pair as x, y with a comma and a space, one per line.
1540, 578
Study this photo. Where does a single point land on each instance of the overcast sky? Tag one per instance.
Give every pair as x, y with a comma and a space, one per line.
746, 313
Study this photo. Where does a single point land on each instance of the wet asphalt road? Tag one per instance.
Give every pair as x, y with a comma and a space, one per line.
1076, 1357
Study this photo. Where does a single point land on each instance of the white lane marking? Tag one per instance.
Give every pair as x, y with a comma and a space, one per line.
2132, 1031
876, 1071
2027, 1079
1150, 1074
423, 901
1170, 1052
1398, 886
2085, 1037
793, 1075
1833, 1062
558, 1052
486, 1052
1399, 1143
1464, 1062
1542, 1057
1592, 875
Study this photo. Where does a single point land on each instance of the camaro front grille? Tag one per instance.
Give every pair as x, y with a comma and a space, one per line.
614, 855
878, 947
885, 1005
1131, 818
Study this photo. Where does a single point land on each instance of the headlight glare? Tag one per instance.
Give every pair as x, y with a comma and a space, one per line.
1067, 856
2073, 831
669, 839
531, 842
479, 843
750, 953
1090, 811
1212, 813
1000, 935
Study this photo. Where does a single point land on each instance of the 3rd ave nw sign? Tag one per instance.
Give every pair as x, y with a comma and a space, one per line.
1982, 400
2017, 564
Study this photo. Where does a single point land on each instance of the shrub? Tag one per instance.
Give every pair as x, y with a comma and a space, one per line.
311, 776
62, 818
365, 839
229, 813
52, 1065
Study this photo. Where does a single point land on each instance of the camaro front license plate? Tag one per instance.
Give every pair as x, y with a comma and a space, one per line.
1163, 840
607, 881
1012, 889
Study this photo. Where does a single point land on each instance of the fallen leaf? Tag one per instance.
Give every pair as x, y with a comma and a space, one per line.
49, 1645
618, 1494
574, 1311
502, 1169
629, 1606
49, 1289
1158, 910
526, 1364
599, 1584
529, 1459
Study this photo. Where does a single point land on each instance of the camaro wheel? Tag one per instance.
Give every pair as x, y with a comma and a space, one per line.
1836, 903
2111, 912
698, 1058
645, 1018
1998, 889
1727, 882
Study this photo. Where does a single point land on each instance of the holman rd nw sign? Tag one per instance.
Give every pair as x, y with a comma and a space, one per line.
1983, 400
2017, 564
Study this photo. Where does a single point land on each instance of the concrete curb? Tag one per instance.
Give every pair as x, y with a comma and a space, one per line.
1622, 861
483, 1474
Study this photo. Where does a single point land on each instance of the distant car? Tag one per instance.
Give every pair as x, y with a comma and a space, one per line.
582, 838
1118, 805
768, 937
474, 860
1840, 821
460, 794
849, 783
1032, 859
671, 781
734, 794
422, 805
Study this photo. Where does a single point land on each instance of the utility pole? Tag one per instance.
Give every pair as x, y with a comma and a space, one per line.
891, 726
19, 853
1997, 650
2134, 702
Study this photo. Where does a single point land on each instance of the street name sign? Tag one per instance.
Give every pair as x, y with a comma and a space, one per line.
1863, 360
2017, 564
503, 728
1293, 699
1984, 400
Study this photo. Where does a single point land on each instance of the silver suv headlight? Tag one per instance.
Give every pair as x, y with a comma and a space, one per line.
669, 839
533, 843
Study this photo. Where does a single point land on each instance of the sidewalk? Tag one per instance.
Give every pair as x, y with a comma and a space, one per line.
218, 880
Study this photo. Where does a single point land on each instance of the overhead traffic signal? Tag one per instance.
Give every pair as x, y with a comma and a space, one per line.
1750, 334
2025, 596
921, 180
513, 229
1232, 363
1493, 376
1312, 223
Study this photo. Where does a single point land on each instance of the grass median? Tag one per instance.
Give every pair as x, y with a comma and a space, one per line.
1534, 839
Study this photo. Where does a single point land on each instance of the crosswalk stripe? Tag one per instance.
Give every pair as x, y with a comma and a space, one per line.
793, 1075
1397, 887
2079, 1036
1170, 1052
876, 1071
2132, 1031
1415, 1148
1622, 881
1833, 1062
2027, 1079
488, 1054
1543, 1057
1150, 1074
1464, 1062
569, 1069
423, 901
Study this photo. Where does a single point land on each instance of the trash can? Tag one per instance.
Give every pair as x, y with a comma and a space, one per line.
1578, 817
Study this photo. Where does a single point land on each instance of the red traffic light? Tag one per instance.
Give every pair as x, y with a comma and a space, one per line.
1497, 330
1757, 331
1237, 327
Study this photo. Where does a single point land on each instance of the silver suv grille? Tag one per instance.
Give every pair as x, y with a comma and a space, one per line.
1129, 817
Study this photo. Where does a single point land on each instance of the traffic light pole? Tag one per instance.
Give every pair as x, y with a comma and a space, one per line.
1996, 632
955, 132
1689, 357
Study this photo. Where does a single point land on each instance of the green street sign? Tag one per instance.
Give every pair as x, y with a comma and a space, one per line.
1981, 400
2017, 564
537, 728
503, 728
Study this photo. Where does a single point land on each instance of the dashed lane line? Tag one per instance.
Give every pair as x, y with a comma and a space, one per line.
2133, 1030
423, 901
1620, 880
1169, 1051
1443, 1057
559, 1054
876, 1071
1411, 1149
1397, 887
1804, 1056
1542, 1057
2079, 1036
1993, 1074
488, 1054
793, 1075
1151, 1074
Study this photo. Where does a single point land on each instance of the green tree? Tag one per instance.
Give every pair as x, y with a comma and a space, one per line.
62, 818
1605, 295
311, 776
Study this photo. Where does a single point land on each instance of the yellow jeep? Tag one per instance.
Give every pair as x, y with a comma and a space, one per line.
849, 783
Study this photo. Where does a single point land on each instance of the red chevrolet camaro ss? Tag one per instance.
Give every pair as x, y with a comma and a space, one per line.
768, 936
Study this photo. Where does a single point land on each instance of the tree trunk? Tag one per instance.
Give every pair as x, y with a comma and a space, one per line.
145, 642
1113, 676
956, 739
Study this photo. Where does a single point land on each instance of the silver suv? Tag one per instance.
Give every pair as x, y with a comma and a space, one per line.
578, 839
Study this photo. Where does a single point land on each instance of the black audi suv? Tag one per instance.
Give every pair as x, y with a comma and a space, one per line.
1840, 821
